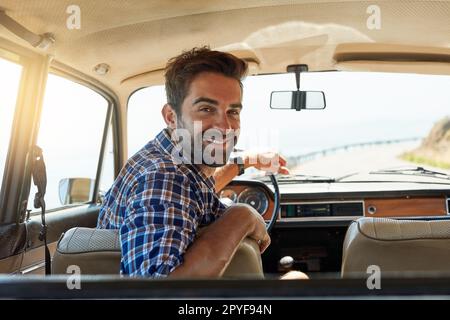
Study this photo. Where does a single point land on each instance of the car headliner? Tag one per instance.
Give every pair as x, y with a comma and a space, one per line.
136, 38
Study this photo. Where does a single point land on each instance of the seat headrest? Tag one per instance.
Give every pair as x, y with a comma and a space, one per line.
391, 229
396, 246
94, 251
83, 240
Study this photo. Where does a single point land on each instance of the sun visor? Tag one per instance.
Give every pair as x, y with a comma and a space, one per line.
377, 57
156, 76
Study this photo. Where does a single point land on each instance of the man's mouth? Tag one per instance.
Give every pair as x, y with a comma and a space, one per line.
219, 141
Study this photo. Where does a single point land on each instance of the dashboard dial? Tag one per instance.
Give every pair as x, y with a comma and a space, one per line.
255, 198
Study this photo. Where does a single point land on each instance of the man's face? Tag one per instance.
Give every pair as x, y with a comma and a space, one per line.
211, 114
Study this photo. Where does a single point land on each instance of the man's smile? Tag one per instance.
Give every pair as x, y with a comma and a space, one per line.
218, 141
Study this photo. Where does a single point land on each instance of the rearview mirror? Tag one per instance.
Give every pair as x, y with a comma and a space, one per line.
297, 100
75, 190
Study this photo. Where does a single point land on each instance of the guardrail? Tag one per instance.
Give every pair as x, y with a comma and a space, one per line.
322, 153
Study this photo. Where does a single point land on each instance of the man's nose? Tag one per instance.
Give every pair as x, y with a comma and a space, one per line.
223, 123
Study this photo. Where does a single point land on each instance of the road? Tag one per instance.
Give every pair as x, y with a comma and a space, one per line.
360, 160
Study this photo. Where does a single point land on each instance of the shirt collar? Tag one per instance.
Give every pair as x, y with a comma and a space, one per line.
164, 141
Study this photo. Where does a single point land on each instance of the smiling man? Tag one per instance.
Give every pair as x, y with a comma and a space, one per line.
167, 190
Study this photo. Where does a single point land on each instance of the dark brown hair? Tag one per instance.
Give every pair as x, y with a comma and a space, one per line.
182, 69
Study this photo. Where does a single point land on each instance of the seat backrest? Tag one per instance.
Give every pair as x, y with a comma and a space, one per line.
396, 246
97, 251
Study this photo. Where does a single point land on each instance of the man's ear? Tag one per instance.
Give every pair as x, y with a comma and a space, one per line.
170, 116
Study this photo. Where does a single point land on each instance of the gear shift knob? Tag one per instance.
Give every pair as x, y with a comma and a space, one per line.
286, 263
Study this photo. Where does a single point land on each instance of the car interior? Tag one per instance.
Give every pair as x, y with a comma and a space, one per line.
75, 78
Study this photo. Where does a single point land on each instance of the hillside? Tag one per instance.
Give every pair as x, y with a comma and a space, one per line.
435, 148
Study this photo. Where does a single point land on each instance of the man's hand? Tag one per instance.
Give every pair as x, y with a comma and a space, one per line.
258, 231
294, 275
266, 161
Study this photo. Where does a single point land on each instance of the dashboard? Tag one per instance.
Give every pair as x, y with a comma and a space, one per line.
313, 219
318, 202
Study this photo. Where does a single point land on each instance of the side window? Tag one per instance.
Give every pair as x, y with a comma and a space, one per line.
70, 135
9, 85
144, 117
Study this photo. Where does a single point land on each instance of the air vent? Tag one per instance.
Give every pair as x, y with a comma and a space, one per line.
448, 206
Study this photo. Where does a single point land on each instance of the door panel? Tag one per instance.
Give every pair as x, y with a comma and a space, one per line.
12, 239
22, 258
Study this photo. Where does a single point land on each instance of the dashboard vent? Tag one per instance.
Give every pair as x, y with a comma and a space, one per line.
332, 209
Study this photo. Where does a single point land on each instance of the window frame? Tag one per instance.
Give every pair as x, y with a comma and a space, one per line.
6, 55
26, 111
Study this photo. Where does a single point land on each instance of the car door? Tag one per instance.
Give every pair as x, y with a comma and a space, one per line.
75, 127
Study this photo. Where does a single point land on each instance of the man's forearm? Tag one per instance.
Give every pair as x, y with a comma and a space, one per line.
224, 175
213, 250
269, 161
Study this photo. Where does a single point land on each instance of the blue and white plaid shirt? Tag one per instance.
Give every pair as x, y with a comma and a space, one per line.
158, 206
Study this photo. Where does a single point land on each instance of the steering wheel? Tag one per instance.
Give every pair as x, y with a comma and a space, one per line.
276, 208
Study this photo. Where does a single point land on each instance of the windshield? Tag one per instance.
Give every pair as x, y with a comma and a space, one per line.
372, 121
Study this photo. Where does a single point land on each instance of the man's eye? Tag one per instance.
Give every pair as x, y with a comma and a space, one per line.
206, 109
234, 112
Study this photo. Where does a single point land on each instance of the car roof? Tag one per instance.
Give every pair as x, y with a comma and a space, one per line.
136, 38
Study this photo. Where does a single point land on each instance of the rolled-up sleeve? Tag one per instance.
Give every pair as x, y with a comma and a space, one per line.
159, 225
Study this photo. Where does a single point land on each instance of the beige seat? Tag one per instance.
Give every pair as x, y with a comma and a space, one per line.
396, 246
97, 251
